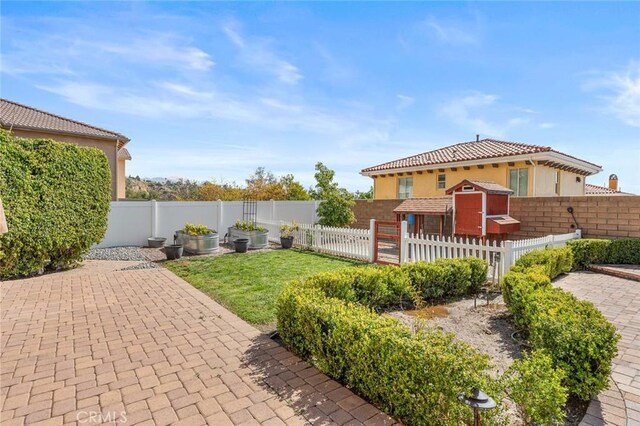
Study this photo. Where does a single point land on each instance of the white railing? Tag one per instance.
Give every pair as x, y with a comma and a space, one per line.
518, 248
347, 242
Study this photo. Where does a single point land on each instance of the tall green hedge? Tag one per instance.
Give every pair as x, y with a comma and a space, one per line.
56, 200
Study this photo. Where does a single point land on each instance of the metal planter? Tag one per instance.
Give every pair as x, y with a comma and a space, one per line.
198, 244
257, 239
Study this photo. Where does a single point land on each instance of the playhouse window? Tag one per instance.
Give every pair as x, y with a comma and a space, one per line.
519, 181
442, 181
405, 188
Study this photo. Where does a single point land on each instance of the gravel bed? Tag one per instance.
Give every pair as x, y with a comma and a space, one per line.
116, 253
143, 265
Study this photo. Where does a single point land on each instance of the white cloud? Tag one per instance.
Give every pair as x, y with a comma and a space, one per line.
622, 93
404, 101
547, 125
449, 32
257, 53
480, 112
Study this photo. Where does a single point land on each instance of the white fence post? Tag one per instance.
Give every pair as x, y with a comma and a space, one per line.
372, 240
403, 242
578, 233
154, 218
220, 218
508, 256
273, 210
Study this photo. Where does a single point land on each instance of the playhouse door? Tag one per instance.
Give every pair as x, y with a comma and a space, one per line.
468, 214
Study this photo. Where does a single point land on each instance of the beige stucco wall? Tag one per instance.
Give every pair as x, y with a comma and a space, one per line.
109, 147
122, 179
425, 184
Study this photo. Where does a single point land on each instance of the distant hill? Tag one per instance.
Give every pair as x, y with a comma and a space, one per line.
161, 189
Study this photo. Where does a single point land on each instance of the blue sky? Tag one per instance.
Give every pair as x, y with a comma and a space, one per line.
210, 90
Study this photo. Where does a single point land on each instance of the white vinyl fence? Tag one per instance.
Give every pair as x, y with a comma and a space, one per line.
132, 222
346, 242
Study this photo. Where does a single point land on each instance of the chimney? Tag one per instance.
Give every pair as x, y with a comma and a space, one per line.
613, 182
477, 138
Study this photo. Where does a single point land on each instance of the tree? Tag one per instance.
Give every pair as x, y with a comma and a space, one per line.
293, 189
367, 195
335, 208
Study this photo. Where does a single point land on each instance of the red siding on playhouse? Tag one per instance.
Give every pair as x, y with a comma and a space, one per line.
482, 209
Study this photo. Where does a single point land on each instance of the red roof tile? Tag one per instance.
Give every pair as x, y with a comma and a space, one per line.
13, 114
465, 151
601, 190
489, 187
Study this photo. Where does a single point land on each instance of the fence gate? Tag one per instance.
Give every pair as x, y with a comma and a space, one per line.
386, 242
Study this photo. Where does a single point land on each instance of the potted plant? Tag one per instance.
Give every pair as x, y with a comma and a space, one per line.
257, 235
198, 239
286, 234
173, 251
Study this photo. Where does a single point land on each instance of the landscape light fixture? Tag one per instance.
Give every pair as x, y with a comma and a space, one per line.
478, 400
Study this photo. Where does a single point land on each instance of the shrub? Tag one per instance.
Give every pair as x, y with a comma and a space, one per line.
535, 386
375, 287
56, 199
446, 277
414, 377
588, 251
518, 287
191, 229
578, 337
248, 226
625, 251
555, 260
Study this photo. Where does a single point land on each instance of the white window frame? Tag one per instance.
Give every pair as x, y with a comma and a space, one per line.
444, 181
516, 190
403, 195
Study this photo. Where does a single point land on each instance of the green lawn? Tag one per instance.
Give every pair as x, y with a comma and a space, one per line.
249, 284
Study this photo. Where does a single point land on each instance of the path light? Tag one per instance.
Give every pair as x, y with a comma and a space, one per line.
478, 401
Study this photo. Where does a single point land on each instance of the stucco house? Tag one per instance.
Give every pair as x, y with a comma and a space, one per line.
528, 170
28, 122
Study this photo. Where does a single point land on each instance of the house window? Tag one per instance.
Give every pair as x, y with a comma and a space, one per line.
405, 188
519, 181
442, 181
557, 182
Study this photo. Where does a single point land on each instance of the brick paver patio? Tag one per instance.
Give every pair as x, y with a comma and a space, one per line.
619, 301
144, 347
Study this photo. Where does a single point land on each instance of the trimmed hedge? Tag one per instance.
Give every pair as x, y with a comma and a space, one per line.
574, 333
414, 377
554, 260
591, 251
56, 199
446, 278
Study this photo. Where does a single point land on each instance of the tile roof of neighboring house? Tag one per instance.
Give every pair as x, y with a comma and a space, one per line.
18, 116
601, 190
428, 206
467, 151
490, 187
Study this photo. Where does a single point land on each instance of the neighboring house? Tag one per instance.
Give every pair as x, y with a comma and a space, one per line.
27, 122
528, 170
612, 189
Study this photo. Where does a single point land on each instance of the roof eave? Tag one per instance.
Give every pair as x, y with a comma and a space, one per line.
116, 137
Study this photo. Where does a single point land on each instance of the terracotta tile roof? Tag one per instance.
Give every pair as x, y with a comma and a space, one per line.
466, 151
490, 187
429, 206
123, 154
601, 190
13, 114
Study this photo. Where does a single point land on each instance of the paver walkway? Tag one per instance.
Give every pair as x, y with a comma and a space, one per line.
619, 300
96, 345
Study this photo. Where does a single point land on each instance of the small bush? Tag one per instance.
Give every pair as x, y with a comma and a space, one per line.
375, 287
578, 337
56, 198
446, 278
535, 386
414, 377
191, 229
591, 251
555, 260
518, 286
588, 251
625, 251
